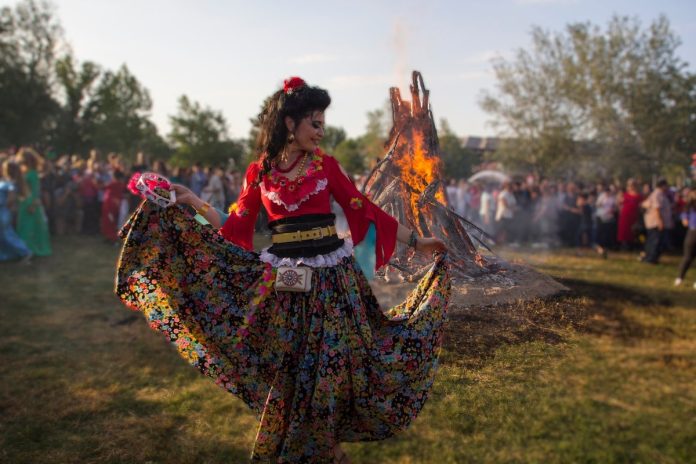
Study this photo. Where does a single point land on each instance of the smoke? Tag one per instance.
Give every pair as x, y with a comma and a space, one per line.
399, 43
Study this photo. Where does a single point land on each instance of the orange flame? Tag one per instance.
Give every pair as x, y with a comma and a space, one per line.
418, 167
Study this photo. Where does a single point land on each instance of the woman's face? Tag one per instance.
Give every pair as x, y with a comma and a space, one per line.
308, 132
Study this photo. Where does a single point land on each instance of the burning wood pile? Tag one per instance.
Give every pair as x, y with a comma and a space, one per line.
408, 184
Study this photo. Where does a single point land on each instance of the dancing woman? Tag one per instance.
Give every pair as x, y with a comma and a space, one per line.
319, 367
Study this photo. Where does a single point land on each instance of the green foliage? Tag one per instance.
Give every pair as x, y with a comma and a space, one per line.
76, 86
200, 134
621, 95
29, 38
117, 116
250, 151
457, 160
372, 142
151, 142
349, 155
59, 102
358, 154
333, 136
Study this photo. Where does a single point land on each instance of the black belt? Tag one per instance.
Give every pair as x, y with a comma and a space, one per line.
304, 248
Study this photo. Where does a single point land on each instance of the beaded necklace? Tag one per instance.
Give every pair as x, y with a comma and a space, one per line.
300, 171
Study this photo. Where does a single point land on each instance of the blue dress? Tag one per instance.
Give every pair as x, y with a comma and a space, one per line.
11, 246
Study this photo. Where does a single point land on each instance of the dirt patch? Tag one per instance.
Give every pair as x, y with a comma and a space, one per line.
534, 307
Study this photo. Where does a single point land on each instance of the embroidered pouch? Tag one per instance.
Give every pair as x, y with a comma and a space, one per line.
293, 279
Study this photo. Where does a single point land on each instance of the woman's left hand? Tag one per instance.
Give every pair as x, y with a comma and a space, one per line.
430, 245
184, 196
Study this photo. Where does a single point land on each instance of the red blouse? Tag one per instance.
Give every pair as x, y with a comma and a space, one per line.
309, 194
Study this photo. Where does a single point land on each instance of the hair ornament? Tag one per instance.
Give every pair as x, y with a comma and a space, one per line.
293, 84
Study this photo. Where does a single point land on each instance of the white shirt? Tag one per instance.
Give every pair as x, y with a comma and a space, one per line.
506, 205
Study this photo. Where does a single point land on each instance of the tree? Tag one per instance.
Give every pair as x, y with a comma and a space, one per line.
372, 142
333, 136
76, 86
152, 142
29, 38
457, 160
117, 115
200, 134
620, 95
349, 155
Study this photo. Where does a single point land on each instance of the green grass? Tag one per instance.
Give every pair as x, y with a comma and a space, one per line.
605, 373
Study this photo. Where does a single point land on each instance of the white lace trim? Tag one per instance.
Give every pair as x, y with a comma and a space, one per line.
327, 260
275, 198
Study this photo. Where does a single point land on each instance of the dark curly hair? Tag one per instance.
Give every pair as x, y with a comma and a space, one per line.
273, 134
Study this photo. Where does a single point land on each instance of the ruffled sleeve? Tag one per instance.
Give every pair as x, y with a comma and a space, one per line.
361, 212
239, 226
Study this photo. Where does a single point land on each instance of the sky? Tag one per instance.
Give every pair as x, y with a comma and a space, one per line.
230, 55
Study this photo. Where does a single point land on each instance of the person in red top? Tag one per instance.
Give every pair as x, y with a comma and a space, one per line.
114, 192
629, 214
88, 191
319, 367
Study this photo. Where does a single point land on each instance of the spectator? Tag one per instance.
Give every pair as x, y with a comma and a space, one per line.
473, 206
64, 195
584, 233
570, 216
505, 213
688, 219
32, 226
462, 198
11, 183
114, 193
451, 191
658, 222
546, 216
214, 191
606, 208
629, 206
88, 191
198, 179
487, 210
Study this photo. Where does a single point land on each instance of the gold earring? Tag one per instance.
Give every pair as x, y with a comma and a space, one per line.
291, 138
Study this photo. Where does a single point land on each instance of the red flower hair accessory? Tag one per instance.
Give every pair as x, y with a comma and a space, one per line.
293, 84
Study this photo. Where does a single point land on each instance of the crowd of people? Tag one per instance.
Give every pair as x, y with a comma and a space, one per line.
41, 197
602, 216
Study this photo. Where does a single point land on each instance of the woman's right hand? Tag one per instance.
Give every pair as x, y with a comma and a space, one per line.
430, 245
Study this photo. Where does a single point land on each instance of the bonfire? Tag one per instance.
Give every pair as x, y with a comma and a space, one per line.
408, 184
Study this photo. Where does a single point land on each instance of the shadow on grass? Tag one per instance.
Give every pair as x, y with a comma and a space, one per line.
589, 307
123, 428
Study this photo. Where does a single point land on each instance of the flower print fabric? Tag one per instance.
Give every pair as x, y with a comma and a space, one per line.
318, 368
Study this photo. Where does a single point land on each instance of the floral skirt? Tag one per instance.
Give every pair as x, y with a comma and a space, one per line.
318, 368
